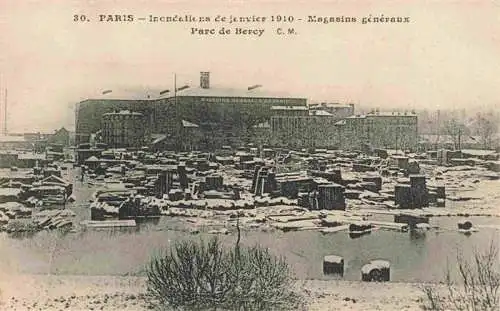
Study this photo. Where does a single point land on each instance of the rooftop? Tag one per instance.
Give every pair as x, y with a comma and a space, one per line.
228, 92
391, 114
32, 156
319, 113
300, 108
330, 105
10, 191
123, 112
10, 139
188, 124
383, 114
213, 91
263, 125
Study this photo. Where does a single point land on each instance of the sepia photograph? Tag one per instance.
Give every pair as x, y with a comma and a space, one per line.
250, 155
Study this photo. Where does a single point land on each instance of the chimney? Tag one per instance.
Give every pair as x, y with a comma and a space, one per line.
205, 80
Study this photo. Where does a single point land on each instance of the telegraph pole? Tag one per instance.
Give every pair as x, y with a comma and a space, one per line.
175, 88
5, 115
459, 137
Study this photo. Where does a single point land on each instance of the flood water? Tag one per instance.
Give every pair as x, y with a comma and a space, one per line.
414, 258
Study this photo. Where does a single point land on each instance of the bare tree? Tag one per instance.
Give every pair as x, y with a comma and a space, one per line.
456, 129
477, 288
486, 128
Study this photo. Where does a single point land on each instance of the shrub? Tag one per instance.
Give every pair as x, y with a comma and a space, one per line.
261, 281
202, 276
478, 288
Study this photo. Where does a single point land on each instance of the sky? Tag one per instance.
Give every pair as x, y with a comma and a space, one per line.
447, 57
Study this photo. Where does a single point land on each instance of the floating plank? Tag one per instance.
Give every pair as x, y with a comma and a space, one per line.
390, 225
109, 223
335, 229
290, 218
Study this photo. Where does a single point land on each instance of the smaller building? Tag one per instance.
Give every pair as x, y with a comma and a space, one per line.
335, 109
304, 131
124, 129
289, 111
260, 134
22, 159
60, 137
86, 152
12, 142
387, 130
192, 136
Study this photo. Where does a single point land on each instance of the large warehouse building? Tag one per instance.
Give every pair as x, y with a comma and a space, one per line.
223, 116
322, 129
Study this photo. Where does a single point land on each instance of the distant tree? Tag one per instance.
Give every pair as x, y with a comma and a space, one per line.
487, 129
456, 129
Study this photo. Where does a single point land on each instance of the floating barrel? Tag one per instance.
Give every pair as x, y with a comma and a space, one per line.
411, 220
333, 265
359, 229
360, 226
423, 226
465, 225
376, 271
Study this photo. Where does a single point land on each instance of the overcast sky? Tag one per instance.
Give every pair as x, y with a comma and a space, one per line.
448, 56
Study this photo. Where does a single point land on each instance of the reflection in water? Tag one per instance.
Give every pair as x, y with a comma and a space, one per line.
22, 235
355, 235
150, 220
414, 256
467, 233
418, 236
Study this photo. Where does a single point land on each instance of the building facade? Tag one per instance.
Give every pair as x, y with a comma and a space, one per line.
391, 130
224, 116
290, 111
124, 129
304, 131
377, 130
89, 114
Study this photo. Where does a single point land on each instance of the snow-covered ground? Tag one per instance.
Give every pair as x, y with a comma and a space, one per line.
39, 292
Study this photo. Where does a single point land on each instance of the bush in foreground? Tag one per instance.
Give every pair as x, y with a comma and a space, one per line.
205, 276
478, 288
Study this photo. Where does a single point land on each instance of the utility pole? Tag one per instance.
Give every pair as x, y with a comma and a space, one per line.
5, 115
178, 127
175, 88
459, 137
438, 128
